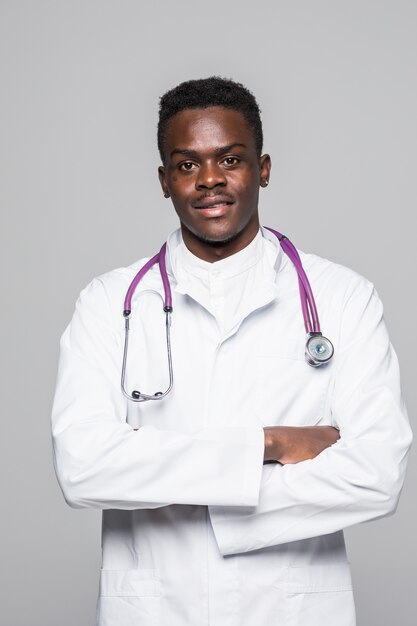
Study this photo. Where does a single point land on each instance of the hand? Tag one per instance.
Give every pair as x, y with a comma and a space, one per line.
292, 444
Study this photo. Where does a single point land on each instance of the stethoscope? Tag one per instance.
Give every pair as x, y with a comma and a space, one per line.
318, 350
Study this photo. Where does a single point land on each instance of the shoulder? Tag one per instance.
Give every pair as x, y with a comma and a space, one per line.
349, 305
330, 277
105, 293
325, 276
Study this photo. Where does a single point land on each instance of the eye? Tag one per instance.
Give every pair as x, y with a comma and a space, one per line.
230, 161
186, 166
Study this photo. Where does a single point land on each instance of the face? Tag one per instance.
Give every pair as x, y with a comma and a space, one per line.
212, 174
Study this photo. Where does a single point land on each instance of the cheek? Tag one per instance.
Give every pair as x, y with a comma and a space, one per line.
249, 194
248, 182
181, 190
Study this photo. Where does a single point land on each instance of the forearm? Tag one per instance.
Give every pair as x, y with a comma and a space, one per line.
360, 477
351, 482
289, 444
102, 462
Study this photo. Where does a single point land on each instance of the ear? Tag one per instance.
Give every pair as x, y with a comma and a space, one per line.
161, 176
264, 170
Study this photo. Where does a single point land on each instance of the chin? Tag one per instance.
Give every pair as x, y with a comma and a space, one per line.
217, 239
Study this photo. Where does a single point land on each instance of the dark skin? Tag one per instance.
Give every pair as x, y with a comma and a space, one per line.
210, 158
212, 173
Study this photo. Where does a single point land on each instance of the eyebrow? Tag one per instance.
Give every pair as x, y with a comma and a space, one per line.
217, 152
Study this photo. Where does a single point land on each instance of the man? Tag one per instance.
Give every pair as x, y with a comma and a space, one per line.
224, 503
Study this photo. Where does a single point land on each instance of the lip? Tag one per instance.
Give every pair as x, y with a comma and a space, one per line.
211, 203
217, 209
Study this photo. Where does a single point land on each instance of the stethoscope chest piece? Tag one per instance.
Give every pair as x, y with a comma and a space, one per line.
319, 350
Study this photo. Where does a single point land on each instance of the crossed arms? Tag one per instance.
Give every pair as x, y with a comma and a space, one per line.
321, 484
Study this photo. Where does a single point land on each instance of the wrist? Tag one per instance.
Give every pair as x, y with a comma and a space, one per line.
274, 446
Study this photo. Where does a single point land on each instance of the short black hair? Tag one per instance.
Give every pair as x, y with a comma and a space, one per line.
209, 92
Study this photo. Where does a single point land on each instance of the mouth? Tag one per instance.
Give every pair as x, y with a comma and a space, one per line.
213, 204
219, 208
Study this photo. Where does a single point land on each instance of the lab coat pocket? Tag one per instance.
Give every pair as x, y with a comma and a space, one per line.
320, 593
128, 597
289, 391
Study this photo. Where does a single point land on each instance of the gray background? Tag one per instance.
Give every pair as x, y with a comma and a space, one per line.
80, 81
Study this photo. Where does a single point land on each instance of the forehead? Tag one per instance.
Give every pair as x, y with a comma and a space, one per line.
202, 130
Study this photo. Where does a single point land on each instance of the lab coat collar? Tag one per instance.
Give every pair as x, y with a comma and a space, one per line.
264, 249
252, 254
226, 268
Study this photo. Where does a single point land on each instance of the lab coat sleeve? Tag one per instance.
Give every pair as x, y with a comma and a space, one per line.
102, 462
357, 479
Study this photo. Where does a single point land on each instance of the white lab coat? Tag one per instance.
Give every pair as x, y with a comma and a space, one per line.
196, 530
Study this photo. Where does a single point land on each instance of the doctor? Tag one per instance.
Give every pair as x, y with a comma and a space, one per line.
224, 503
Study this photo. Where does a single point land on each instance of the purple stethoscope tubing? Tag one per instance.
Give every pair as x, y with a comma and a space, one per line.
160, 259
137, 396
308, 304
308, 307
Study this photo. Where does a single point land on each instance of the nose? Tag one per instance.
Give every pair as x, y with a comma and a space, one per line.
210, 175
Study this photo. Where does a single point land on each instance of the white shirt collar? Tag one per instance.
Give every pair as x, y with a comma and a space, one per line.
180, 260
224, 268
